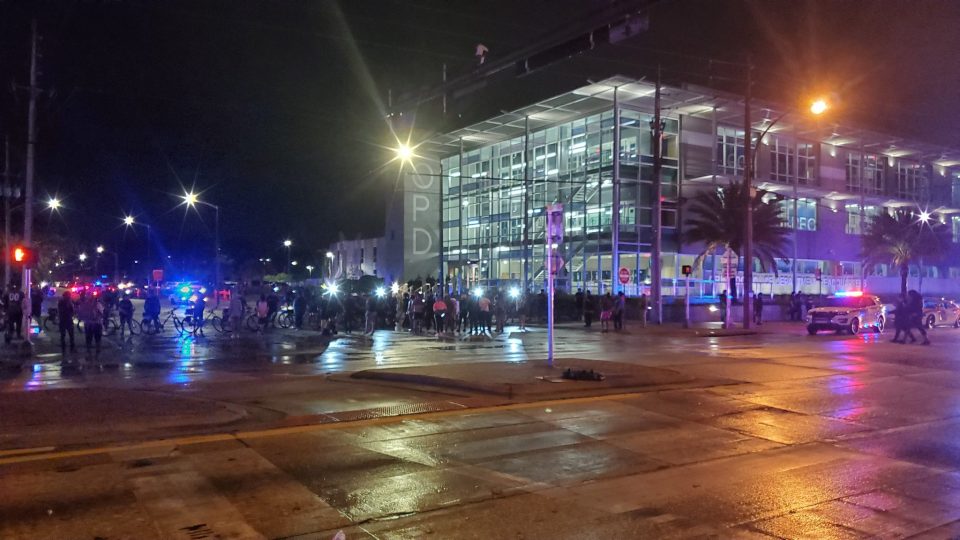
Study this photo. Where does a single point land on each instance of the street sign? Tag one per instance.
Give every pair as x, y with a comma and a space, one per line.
555, 222
624, 274
556, 263
158, 274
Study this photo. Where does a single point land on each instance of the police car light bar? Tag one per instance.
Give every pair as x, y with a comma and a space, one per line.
849, 293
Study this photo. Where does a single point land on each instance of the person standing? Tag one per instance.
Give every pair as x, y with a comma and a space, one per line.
198, 307
606, 312
644, 307
91, 314
915, 308
723, 306
370, 314
619, 310
486, 315
151, 310
14, 311
758, 309
299, 310
500, 312
542, 306
36, 307
578, 300
453, 313
125, 310
65, 314
263, 313
589, 309
236, 314
439, 315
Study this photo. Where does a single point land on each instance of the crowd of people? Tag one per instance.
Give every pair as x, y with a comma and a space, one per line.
612, 309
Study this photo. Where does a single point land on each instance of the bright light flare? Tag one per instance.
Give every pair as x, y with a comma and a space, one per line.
478, 292
924, 216
819, 106
54, 203
514, 292
333, 288
381, 292
395, 288
329, 254
191, 198
404, 152
712, 308
287, 243
128, 220
100, 249
82, 257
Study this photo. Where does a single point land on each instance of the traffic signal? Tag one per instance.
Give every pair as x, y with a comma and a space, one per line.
22, 256
686, 269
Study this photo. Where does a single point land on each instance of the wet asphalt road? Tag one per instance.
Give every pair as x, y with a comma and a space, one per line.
798, 437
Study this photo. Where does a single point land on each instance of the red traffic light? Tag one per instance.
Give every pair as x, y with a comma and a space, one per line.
22, 255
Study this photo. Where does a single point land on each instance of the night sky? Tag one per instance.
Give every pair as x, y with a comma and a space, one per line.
274, 110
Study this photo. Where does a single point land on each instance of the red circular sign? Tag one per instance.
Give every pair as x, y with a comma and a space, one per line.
624, 275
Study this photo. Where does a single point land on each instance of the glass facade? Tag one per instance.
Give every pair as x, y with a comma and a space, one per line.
494, 199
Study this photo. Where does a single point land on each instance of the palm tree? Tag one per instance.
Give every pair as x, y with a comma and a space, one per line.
901, 239
716, 219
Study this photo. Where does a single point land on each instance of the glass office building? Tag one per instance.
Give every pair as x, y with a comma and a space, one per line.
581, 148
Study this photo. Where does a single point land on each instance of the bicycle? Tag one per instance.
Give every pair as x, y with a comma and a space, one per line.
148, 326
111, 326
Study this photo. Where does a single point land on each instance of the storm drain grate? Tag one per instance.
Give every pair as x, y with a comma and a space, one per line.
396, 410
198, 531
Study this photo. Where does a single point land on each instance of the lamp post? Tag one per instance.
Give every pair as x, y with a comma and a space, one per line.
309, 268
287, 244
130, 221
329, 257
116, 262
817, 107
191, 199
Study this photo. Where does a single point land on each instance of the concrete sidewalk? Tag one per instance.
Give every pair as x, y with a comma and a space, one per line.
533, 379
78, 416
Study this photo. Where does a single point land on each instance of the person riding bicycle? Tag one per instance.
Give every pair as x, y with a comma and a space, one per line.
125, 310
151, 310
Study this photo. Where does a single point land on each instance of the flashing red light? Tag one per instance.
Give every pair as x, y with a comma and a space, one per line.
22, 255
849, 294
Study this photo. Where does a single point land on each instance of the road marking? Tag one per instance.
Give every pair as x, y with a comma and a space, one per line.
48, 453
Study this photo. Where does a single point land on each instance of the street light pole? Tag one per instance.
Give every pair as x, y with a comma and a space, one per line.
748, 218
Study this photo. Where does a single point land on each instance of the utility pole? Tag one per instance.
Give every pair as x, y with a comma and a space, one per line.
7, 193
28, 178
657, 248
748, 217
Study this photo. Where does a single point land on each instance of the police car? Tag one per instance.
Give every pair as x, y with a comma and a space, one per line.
940, 313
847, 312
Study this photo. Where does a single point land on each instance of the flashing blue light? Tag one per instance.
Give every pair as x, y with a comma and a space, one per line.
184, 290
849, 294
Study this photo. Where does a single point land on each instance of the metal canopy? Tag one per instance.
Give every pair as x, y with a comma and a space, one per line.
688, 100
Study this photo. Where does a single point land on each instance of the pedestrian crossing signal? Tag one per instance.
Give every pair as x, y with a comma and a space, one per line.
686, 269
23, 256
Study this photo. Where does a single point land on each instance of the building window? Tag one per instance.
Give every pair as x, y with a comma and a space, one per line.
857, 221
806, 164
955, 228
730, 150
781, 161
806, 212
909, 180
870, 176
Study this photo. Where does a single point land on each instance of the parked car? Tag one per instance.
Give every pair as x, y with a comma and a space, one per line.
940, 312
847, 312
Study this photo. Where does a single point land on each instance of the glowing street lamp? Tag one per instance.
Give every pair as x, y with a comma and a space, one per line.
54, 204
100, 250
192, 199
128, 221
924, 216
82, 257
819, 106
309, 268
